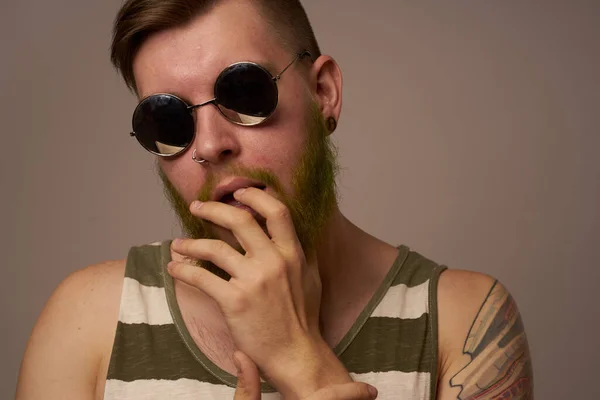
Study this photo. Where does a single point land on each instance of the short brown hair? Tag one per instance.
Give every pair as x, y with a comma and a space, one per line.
138, 19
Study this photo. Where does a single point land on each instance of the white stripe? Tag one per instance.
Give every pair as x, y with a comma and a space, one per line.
182, 389
143, 304
155, 244
397, 385
390, 385
403, 302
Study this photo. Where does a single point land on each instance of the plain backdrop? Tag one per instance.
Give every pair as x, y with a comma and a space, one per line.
469, 132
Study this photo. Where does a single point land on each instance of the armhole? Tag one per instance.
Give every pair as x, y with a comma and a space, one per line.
433, 323
112, 354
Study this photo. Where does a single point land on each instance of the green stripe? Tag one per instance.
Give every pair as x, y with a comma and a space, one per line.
415, 271
433, 322
379, 294
157, 352
144, 351
391, 344
144, 265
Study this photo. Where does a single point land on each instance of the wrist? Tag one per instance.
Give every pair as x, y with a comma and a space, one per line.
312, 366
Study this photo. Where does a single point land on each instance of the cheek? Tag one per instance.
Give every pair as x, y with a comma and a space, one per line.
282, 146
282, 158
187, 181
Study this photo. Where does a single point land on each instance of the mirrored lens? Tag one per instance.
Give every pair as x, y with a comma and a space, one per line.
163, 124
246, 93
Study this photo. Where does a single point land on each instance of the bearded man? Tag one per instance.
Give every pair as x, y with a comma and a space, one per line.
272, 292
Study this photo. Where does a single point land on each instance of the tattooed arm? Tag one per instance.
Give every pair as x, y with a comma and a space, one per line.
483, 347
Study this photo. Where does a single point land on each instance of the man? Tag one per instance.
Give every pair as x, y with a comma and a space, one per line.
238, 104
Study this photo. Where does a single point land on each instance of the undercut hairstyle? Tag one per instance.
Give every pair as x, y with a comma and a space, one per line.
138, 19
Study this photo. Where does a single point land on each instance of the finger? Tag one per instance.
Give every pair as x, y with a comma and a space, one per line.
202, 279
279, 220
241, 223
345, 391
216, 251
248, 380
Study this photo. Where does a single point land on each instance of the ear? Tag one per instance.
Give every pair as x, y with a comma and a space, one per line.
326, 76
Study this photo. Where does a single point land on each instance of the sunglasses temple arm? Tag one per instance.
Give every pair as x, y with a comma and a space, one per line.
298, 56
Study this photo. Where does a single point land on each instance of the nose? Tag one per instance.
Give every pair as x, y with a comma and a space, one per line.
215, 139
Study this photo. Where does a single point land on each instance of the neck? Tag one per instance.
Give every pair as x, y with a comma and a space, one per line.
339, 237
350, 260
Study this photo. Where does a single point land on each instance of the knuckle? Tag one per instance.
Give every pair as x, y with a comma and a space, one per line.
297, 258
281, 212
278, 269
196, 277
260, 285
327, 393
262, 281
264, 278
238, 302
216, 246
243, 217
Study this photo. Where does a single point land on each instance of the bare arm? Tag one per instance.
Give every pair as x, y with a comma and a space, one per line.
485, 349
65, 354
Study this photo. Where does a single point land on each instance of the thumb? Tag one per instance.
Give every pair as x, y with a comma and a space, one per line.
248, 384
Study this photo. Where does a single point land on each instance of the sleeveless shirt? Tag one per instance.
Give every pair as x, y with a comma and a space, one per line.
392, 345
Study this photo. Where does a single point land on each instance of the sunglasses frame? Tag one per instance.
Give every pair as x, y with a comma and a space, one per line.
214, 102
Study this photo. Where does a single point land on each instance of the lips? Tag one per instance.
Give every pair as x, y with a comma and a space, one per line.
224, 192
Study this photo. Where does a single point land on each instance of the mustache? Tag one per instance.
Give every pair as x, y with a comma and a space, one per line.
260, 175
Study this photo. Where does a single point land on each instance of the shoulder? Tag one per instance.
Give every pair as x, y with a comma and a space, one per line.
460, 297
86, 304
98, 276
69, 340
482, 343
87, 295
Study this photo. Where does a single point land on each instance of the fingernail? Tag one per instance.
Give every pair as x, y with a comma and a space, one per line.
240, 191
196, 204
372, 391
170, 265
177, 242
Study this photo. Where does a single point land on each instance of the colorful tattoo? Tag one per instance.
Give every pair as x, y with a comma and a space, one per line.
500, 366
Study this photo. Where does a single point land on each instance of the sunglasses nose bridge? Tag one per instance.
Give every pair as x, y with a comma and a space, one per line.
213, 140
195, 106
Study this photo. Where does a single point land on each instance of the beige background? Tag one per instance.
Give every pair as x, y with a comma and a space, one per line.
469, 132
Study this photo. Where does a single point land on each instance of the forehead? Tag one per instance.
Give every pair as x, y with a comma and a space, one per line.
187, 60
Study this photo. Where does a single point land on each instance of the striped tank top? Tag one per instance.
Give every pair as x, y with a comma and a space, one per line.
392, 345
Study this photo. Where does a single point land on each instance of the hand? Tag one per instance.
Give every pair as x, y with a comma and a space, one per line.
271, 303
248, 387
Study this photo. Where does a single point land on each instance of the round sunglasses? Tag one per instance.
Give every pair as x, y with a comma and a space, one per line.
245, 93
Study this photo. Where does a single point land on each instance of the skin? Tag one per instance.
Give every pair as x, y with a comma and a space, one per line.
311, 204
497, 345
326, 287
248, 387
